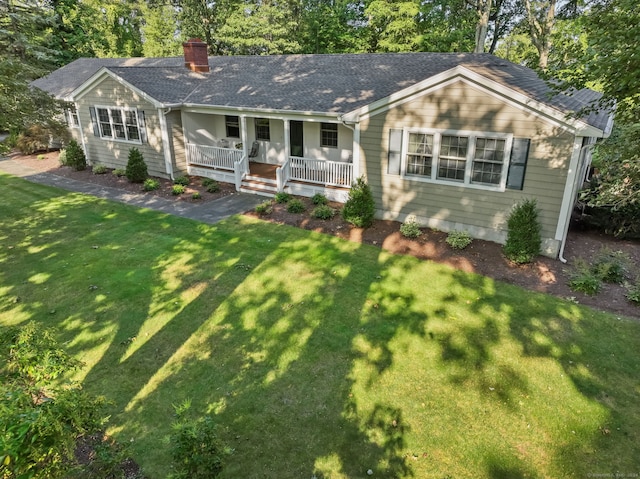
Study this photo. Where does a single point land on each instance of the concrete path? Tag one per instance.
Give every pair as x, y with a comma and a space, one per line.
210, 212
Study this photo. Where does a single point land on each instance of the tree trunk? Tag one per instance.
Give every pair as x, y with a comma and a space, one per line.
541, 24
483, 7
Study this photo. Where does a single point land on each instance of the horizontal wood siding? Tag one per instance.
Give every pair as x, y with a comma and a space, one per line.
114, 154
461, 107
176, 140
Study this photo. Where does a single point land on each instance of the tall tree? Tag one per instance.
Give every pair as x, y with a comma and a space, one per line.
447, 26
203, 18
392, 26
483, 11
159, 30
541, 16
331, 26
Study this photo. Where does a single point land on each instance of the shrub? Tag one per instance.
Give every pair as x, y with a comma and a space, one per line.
583, 279
196, 196
178, 190
319, 199
265, 208
458, 239
282, 197
35, 138
323, 212
136, 171
75, 156
119, 172
633, 291
360, 207
211, 185
150, 184
62, 158
410, 228
181, 180
610, 266
40, 157
99, 170
196, 450
295, 206
523, 235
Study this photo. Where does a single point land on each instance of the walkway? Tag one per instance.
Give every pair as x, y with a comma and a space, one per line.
210, 212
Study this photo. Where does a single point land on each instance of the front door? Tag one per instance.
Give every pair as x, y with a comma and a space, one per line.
295, 138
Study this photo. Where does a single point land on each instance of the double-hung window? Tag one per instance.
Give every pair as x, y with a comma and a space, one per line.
232, 124
72, 118
118, 123
469, 158
329, 135
262, 129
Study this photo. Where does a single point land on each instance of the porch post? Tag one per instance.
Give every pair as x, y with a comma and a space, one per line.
287, 140
244, 136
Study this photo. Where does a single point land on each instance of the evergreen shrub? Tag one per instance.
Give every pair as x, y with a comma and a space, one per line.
136, 171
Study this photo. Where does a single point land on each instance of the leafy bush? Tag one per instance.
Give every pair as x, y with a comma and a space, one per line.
35, 138
178, 190
150, 184
211, 185
282, 197
610, 266
181, 180
633, 291
196, 450
323, 212
583, 279
410, 228
136, 171
99, 170
295, 206
265, 208
119, 172
40, 157
458, 239
196, 196
62, 158
523, 235
360, 207
41, 421
75, 156
319, 199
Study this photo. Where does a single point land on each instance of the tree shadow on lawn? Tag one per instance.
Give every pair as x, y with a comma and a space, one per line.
598, 355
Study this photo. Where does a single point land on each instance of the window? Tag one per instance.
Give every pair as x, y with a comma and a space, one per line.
488, 161
329, 135
118, 123
453, 157
469, 158
262, 129
420, 154
72, 118
233, 126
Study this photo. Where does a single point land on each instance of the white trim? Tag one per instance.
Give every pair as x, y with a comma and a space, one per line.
112, 137
271, 113
244, 135
104, 72
481, 83
356, 151
166, 145
472, 137
82, 139
569, 190
287, 139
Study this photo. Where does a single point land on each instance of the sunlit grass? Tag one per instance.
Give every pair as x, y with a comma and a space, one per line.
315, 355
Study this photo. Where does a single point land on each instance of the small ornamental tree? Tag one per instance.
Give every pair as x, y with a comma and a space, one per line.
360, 207
136, 171
75, 157
523, 237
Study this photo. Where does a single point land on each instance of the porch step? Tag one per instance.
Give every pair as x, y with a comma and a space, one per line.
258, 186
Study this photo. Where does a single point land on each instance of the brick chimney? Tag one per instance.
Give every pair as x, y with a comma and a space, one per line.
195, 55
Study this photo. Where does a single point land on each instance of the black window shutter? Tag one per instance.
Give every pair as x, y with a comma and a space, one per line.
141, 125
518, 163
94, 121
395, 152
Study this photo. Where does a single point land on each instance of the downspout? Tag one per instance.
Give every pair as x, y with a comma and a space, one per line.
573, 195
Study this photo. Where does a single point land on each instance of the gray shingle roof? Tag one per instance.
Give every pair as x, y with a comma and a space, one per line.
318, 83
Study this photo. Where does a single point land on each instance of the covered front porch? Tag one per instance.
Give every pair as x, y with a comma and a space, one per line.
270, 155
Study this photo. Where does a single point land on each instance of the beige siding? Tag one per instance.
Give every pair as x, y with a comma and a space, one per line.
482, 212
114, 154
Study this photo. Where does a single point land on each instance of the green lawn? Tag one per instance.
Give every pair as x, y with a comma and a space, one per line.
315, 355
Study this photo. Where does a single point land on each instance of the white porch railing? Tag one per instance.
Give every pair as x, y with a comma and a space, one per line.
212, 156
283, 174
331, 173
240, 168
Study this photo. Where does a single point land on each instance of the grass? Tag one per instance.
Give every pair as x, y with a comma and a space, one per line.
315, 355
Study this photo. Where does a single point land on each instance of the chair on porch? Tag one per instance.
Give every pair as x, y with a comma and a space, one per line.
254, 149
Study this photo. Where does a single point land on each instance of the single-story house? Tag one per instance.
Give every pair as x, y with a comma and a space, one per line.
451, 139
